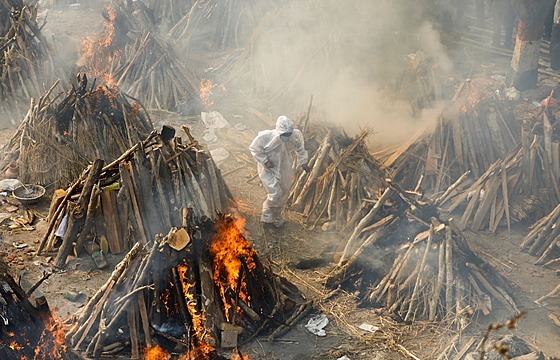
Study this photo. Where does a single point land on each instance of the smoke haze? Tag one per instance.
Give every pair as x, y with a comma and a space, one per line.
349, 56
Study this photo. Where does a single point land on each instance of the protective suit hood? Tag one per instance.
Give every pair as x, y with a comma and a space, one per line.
284, 125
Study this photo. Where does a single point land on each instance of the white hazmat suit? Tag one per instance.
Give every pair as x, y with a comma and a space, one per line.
270, 148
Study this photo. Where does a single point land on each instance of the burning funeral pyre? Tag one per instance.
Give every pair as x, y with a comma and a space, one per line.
144, 192
144, 66
24, 56
58, 138
27, 327
200, 287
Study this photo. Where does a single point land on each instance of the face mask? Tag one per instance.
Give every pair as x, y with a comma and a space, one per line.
284, 138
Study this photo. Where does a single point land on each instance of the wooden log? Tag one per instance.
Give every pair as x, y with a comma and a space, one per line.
137, 224
439, 284
180, 296
89, 221
322, 153
76, 218
132, 319
449, 270
112, 222
505, 194
420, 274
301, 312
351, 244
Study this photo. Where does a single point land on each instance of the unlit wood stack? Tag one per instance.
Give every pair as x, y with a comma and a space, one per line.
24, 55
344, 181
523, 185
544, 240
475, 131
417, 266
147, 190
176, 293
59, 137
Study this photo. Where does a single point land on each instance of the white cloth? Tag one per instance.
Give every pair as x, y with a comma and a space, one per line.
277, 181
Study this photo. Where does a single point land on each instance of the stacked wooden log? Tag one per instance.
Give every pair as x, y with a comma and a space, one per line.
144, 65
24, 55
544, 240
419, 267
187, 296
28, 330
149, 69
145, 191
58, 138
343, 183
525, 184
474, 131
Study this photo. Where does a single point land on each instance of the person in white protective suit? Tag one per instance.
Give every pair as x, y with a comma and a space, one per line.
271, 149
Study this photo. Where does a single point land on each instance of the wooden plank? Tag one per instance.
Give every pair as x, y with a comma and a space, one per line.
112, 221
489, 195
556, 159
505, 195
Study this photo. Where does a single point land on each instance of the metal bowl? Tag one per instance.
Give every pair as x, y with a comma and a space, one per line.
29, 193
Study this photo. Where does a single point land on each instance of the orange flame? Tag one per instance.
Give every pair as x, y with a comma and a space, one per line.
52, 344
98, 54
203, 349
156, 353
229, 248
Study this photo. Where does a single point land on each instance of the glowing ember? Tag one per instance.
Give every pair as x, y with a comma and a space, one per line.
156, 353
15, 346
229, 251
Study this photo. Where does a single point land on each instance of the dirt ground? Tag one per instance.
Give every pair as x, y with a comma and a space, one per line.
286, 247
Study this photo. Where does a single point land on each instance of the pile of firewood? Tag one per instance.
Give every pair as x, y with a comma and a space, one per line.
524, 184
150, 188
200, 287
28, 329
149, 70
425, 269
544, 240
474, 132
144, 66
344, 180
58, 138
24, 56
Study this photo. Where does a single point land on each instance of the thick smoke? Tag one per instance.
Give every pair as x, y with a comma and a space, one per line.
349, 56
